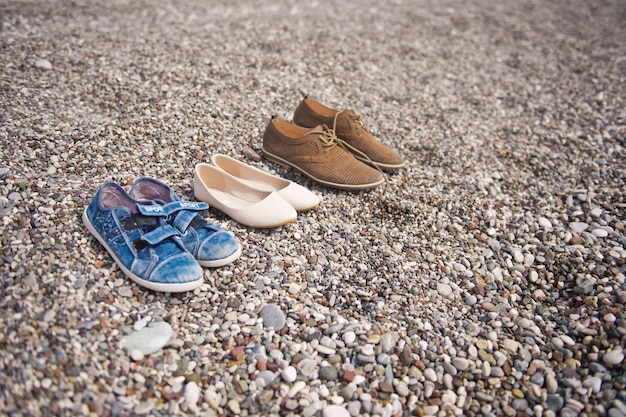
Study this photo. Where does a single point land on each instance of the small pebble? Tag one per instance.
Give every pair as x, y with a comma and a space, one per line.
613, 357
289, 374
335, 411
43, 64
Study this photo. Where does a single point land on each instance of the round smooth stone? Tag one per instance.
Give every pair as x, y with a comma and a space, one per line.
613, 357
349, 337
272, 316
289, 374
335, 411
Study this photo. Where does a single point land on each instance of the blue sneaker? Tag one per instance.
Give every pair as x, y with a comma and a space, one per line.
211, 245
144, 246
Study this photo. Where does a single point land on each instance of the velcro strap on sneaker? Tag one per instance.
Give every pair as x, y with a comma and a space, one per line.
169, 208
183, 220
159, 234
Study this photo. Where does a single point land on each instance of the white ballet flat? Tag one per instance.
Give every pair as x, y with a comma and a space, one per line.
299, 197
247, 205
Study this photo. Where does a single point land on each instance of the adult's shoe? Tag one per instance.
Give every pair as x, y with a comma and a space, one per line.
301, 198
319, 154
348, 127
249, 206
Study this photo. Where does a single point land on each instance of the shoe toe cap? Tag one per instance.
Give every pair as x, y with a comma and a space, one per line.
272, 211
178, 269
299, 197
220, 245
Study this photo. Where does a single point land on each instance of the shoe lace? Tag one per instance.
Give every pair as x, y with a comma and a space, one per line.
354, 117
329, 139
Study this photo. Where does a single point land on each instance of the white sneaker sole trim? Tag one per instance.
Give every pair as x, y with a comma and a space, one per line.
221, 262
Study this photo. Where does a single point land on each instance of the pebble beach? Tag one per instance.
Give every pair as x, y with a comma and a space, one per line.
486, 278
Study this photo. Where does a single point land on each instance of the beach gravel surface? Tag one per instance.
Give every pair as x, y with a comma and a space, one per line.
487, 278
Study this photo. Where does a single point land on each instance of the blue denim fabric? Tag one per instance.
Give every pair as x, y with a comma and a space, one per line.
211, 245
145, 247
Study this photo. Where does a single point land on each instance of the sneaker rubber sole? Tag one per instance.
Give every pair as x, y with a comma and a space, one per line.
221, 262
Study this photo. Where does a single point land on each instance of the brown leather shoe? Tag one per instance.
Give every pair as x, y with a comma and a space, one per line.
348, 127
318, 154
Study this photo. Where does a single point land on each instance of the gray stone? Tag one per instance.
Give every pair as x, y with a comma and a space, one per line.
460, 364
402, 389
328, 373
555, 402
348, 391
383, 359
266, 376
273, 316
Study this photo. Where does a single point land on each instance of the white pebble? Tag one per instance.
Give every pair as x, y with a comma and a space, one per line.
599, 232
460, 364
486, 369
234, 407
349, 337
578, 227
609, 317
429, 389
545, 223
359, 379
388, 341
567, 340
367, 349
613, 357
43, 64
430, 375
325, 350
593, 382
529, 259
192, 393
444, 290
289, 374
136, 355
335, 411
449, 398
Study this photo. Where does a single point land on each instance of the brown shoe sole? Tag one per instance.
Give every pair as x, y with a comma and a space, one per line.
380, 164
287, 164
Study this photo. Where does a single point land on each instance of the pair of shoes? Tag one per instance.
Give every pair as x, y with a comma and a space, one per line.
330, 146
158, 240
250, 196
